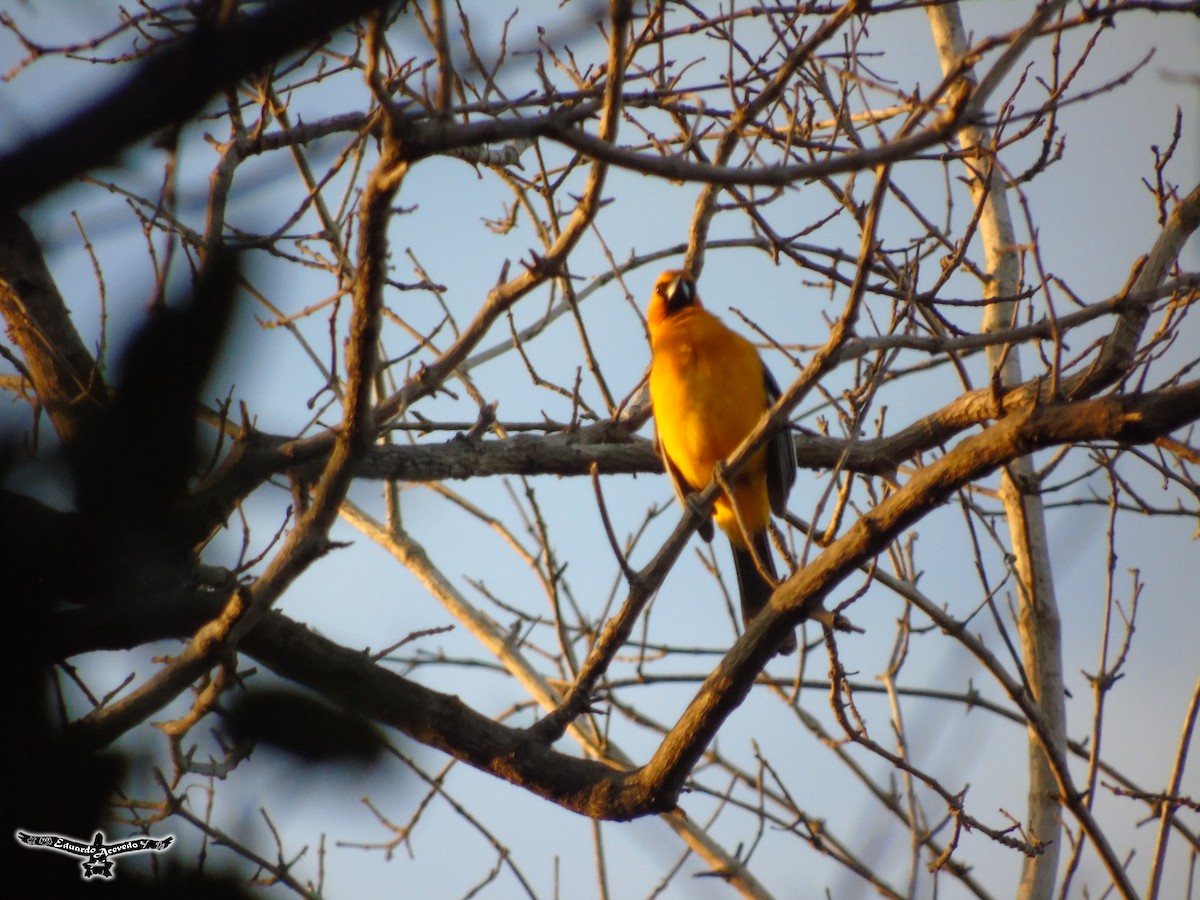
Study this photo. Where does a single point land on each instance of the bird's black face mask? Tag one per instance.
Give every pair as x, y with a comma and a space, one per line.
679, 293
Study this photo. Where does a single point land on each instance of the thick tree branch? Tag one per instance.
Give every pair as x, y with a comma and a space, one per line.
308, 540
499, 642
772, 115
595, 790
353, 680
1121, 345
1039, 623
66, 378
168, 89
1134, 419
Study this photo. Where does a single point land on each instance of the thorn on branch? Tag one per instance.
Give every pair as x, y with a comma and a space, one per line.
834, 621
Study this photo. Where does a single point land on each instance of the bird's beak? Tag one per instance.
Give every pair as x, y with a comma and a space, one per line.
679, 293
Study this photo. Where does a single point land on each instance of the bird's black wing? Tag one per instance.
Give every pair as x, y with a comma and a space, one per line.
781, 455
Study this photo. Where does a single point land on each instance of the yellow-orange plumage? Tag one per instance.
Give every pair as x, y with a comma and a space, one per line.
709, 389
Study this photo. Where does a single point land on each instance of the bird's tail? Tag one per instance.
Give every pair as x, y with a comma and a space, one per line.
755, 589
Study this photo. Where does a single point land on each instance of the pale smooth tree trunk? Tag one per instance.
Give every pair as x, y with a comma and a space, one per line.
1039, 623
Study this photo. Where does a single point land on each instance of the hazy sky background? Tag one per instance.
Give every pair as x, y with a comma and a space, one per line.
1093, 216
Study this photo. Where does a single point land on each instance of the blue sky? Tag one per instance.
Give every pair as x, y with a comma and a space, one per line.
1093, 219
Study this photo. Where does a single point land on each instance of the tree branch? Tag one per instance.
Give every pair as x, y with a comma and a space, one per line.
168, 89
1133, 418
66, 378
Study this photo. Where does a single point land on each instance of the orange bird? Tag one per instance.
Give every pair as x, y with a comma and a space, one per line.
709, 389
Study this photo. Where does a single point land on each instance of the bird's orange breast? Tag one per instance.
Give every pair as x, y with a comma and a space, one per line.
706, 383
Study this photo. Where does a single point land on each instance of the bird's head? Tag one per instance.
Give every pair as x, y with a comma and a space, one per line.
674, 291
